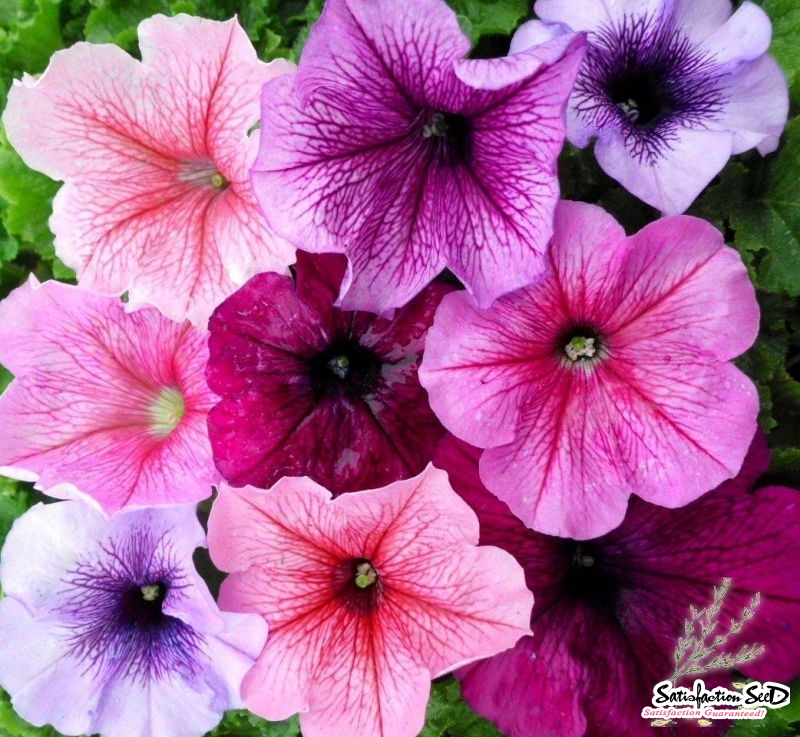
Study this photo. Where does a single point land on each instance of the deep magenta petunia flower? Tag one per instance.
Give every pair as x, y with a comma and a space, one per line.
608, 612
610, 376
105, 404
155, 157
107, 627
393, 148
309, 389
670, 89
367, 598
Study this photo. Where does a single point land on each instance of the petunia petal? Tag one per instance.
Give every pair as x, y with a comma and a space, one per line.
671, 183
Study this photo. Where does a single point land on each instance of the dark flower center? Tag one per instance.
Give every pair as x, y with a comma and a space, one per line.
589, 578
346, 368
114, 606
358, 585
645, 78
140, 606
581, 346
639, 97
448, 136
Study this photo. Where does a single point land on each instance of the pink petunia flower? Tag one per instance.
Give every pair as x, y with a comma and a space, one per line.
393, 148
367, 598
610, 376
104, 403
155, 157
311, 390
105, 626
669, 88
609, 612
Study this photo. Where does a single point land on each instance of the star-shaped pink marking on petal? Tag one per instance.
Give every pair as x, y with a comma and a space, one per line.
104, 403
367, 598
154, 156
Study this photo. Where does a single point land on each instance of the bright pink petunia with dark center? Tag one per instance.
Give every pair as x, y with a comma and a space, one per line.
608, 612
104, 403
392, 147
609, 376
154, 155
367, 597
309, 389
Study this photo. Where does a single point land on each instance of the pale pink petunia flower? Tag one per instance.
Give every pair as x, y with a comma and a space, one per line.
104, 404
367, 598
608, 377
154, 156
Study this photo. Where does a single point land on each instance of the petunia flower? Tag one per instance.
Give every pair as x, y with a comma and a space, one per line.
391, 147
105, 404
154, 155
107, 627
669, 88
610, 376
367, 598
309, 389
608, 612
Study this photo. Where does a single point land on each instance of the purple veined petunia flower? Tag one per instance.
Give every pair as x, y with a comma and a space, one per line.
105, 626
610, 376
608, 612
393, 148
669, 88
309, 389
105, 404
155, 159
367, 598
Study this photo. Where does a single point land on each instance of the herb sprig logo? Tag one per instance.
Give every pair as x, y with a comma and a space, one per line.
696, 650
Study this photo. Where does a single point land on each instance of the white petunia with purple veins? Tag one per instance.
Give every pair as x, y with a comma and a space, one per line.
106, 626
669, 88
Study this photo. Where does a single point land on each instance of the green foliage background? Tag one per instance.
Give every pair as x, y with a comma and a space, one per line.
755, 202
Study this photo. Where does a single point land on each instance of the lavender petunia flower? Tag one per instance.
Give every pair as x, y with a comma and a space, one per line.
393, 148
106, 626
608, 612
309, 389
670, 89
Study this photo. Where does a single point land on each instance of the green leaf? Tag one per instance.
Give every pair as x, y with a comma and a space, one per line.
490, 17
777, 723
28, 196
244, 724
785, 16
449, 715
767, 224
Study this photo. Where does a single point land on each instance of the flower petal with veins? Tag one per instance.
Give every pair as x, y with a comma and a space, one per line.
154, 156
610, 376
354, 655
104, 404
393, 148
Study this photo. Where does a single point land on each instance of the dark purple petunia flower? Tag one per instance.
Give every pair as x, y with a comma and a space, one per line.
392, 147
311, 390
106, 626
608, 612
670, 89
